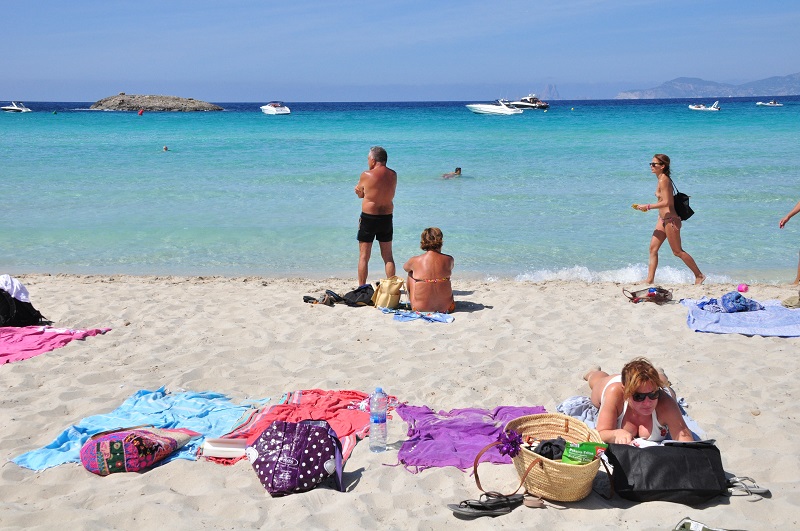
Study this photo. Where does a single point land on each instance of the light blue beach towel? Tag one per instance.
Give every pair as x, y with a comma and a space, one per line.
581, 408
773, 320
408, 315
208, 413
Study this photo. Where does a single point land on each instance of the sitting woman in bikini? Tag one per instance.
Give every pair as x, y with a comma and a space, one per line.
636, 403
428, 282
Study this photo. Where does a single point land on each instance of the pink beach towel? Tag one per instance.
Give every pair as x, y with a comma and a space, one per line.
28, 341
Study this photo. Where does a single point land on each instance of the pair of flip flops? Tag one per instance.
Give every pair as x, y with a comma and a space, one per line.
329, 298
746, 486
311, 300
493, 504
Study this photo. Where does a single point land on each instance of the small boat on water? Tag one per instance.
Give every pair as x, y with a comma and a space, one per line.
771, 103
15, 107
530, 102
501, 107
700, 107
275, 107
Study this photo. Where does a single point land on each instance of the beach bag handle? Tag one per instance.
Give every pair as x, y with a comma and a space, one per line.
521, 481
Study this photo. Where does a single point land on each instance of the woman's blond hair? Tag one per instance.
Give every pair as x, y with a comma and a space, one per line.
636, 373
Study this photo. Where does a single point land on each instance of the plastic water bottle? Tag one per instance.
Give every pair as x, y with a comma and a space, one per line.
378, 404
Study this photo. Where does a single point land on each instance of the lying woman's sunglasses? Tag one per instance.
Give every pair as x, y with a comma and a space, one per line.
639, 397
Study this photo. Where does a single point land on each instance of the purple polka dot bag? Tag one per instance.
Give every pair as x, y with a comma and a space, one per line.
291, 457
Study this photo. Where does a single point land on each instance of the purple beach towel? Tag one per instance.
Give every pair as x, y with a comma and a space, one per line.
455, 437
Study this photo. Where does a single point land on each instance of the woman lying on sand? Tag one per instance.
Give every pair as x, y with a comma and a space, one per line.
428, 281
636, 403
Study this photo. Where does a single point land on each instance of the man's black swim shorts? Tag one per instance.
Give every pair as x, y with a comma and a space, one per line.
372, 226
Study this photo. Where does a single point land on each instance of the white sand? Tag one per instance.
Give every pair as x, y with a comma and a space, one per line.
511, 344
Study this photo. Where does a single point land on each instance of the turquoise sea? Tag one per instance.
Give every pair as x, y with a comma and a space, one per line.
544, 195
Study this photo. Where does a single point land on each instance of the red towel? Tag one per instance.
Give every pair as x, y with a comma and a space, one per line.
345, 411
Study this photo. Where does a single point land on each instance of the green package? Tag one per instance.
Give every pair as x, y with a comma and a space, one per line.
582, 453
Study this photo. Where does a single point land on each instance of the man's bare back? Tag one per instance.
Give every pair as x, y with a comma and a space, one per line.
377, 187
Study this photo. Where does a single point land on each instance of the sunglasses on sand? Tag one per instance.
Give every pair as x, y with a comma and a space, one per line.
639, 397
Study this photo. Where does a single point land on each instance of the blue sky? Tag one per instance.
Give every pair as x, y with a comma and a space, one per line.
314, 50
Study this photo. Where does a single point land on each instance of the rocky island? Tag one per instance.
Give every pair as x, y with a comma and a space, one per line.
135, 102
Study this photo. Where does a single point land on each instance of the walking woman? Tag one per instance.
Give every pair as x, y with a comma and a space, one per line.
668, 226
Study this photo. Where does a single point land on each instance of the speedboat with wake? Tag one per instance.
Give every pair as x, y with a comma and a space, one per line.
771, 103
501, 107
701, 107
530, 102
275, 107
15, 107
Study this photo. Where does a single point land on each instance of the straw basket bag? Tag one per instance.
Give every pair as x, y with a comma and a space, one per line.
543, 477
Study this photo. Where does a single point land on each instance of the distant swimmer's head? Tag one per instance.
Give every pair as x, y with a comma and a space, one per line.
660, 158
378, 154
166, 148
458, 171
432, 239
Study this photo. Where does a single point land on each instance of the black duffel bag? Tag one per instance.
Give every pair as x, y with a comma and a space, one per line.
688, 472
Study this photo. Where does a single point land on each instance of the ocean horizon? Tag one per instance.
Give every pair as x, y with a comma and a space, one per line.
543, 195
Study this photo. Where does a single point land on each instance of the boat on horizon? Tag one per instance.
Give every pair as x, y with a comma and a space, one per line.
501, 107
275, 107
530, 102
700, 107
770, 103
15, 107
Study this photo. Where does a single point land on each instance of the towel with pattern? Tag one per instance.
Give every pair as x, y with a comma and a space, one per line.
454, 438
210, 414
410, 315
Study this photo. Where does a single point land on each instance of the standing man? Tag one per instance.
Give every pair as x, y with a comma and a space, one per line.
376, 188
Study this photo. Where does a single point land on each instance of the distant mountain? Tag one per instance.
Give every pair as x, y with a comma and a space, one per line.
692, 87
550, 93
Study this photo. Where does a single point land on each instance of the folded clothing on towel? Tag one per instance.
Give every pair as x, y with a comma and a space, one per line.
730, 303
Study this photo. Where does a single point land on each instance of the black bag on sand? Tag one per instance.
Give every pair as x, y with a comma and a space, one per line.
17, 313
688, 472
7, 308
681, 202
361, 296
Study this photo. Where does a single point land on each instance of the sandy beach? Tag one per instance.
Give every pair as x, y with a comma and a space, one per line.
512, 343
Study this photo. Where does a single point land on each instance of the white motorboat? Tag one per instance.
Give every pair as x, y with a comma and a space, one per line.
501, 107
701, 107
530, 102
771, 103
275, 107
15, 107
